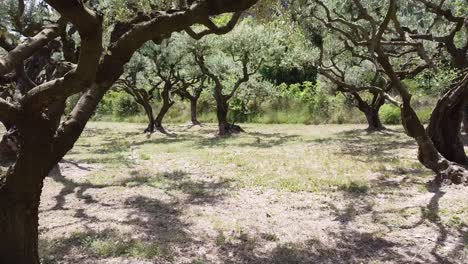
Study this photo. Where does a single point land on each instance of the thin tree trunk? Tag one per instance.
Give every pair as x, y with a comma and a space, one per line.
445, 124
150, 115
193, 111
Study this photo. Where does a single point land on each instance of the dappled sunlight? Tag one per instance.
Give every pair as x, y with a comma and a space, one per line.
276, 194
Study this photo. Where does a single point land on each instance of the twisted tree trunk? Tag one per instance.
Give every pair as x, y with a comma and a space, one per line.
373, 120
428, 154
225, 128
445, 124
167, 104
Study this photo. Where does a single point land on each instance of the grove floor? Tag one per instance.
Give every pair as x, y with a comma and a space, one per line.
276, 194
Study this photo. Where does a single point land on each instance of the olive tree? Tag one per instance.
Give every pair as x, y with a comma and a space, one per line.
229, 63
386, 41
42, 143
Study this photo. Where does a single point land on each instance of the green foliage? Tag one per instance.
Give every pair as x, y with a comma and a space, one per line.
390, 114
434, 83
240, 112
119, 104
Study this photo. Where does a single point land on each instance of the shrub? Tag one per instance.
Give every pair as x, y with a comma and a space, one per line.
390, 114
124, 105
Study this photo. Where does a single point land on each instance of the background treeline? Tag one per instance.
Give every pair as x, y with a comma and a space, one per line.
286, 88
291, 106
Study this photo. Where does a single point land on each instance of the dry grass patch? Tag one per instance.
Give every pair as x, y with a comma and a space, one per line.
276, 194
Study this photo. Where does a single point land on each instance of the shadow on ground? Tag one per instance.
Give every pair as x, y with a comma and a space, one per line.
166, 234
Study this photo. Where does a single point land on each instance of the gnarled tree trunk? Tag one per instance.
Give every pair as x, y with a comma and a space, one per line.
371, 111
167, 104
445, 124
225, 128
428, 154
20, 193
373, 120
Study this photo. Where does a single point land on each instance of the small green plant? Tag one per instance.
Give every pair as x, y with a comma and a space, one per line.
355, 187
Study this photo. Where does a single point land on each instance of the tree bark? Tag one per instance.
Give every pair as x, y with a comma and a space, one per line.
428, 154
19, 228
225, 128
9, 144
371, 111
465, 117
445, 124
193, 111
167, 104
149, 113
21, 190
373, 120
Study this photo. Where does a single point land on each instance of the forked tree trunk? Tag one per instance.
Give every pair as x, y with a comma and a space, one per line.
167, 103
371, 111
193, 111
225, 128
428, 154
445, 124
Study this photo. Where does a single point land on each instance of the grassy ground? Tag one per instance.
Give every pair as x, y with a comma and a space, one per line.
277, 194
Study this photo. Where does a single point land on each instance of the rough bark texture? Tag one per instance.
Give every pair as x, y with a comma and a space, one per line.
149, 113
225, 128
20, 193
167, 104
465, 117
445, 124
373, 120
9, 145
193, 112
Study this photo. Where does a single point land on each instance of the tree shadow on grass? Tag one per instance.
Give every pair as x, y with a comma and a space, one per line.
158, 222
344, 246
164, 232
256, 140
365, 147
